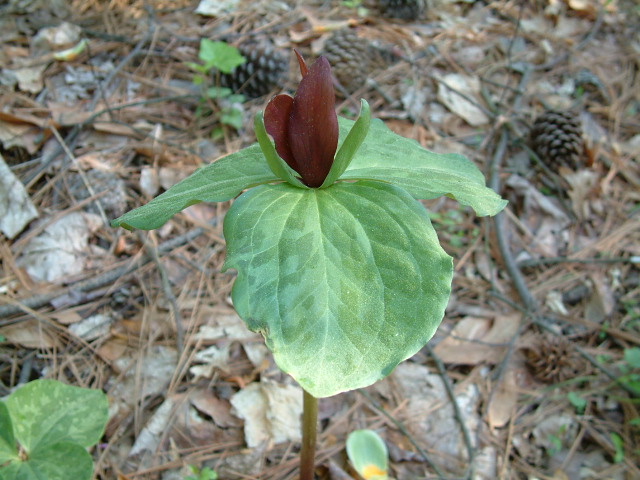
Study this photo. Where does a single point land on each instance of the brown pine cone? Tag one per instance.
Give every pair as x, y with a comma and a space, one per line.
402, 9
354, 59
556, 138
553, 359
265, 69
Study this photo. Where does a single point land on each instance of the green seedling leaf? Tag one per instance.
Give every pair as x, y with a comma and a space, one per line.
632, 357
196, 67
218, 92
217, 182
577, 401
72, 53
8, 447
47, 412
388, 157
58, 461
232, 117
350, 145
219, 55
618, 444
344, 282
368, 454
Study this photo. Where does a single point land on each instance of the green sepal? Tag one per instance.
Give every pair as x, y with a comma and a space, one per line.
343, 282
278, 166
350, 145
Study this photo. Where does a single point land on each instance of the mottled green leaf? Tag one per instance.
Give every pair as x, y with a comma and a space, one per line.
387, 157
217, 182
344, 282
383, 156
46, 412
8, 448
59, 461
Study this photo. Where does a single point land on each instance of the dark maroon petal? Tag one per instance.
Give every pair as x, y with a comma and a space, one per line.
276, 122
313, 128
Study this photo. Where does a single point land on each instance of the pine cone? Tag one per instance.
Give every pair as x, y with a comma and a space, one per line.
354, 59
264, 69
553, 359
402, 9
556, 138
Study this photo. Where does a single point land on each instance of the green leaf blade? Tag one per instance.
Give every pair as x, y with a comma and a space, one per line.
8, 449
46, 412
388, 157
344, 282
219, 181
60, 461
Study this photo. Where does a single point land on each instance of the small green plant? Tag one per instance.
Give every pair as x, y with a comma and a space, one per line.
451, 224
205, 473
618, 445
578, 402
368, 454
630, 369
224, 58
338, 265
46, 428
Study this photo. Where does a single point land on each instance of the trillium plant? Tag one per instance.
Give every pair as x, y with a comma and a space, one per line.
338, 265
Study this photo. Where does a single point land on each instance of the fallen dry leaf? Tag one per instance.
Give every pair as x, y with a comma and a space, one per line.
30, 334
271, 412
478, 340
503, 401
16, 208
448, 87
218, 409
430, 416
150, 436
62, 249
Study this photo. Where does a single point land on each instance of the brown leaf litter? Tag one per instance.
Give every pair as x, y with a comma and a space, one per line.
527, 376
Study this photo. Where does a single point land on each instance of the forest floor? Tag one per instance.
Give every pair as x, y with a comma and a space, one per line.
535, 370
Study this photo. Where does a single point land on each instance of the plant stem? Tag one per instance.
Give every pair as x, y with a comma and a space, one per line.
309, 431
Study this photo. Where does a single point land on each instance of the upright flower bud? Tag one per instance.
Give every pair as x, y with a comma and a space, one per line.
305, 126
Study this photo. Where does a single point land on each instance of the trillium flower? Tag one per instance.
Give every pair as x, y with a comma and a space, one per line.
305, 127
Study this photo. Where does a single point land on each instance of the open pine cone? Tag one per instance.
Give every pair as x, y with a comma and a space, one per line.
354, 59
402, 9
264, 70
554, 359
556, 137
